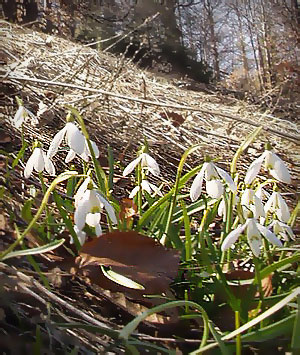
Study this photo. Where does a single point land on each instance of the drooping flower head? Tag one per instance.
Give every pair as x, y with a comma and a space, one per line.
146, 162
215, 178
273, 164
21, 116
278, 206
254, 231
89, 208
146, 186
38, 161
252, 204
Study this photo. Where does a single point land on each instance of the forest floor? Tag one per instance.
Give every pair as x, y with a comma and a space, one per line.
121, 105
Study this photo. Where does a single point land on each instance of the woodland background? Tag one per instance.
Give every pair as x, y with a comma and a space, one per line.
248, 46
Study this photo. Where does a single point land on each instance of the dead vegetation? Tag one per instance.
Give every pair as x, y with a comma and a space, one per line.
121, 105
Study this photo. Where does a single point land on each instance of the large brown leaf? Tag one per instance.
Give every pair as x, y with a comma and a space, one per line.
140, 258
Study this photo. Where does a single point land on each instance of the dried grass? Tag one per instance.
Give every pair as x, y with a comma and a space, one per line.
121, 103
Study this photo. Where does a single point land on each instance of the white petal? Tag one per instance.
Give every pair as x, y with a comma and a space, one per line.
151, 164
39, 163
221, 208
81, 235
258, 210
19, 117
92, 219
49, 166
70, 156
253, 236
29, 166
269, 235
130, 167
56, 141
85, 155
282, 212
109, 209
228, 179
75, 138
155, 189
280, 172
98, 230
95, 149
269, 206
146, 186
80, 192
196, 187
80, 213
214, 188
134, 192
288, 229
247, 197
253, 170
210, 171
232, 237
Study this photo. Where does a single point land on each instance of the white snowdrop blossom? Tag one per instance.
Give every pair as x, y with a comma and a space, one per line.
277, 205
21, 115
273, 164
214, 186
252, 204
146, 186
283, 230
74, 138
89, 208
38, 161
254, 231
146, 162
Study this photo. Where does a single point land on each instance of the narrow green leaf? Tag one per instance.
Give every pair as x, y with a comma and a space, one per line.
120, 279
39, 250
277, 265
69, 224
110, 157
19, 155
295, 345
282, 327
26, 211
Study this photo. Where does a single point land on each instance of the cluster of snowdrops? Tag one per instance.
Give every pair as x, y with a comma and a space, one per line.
257, 213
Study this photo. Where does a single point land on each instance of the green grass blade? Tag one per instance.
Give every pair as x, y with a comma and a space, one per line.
39, 250
295, 345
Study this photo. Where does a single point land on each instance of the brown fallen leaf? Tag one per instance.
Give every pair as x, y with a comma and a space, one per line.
140, 258
176, 118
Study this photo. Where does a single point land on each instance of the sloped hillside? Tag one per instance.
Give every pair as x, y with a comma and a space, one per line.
121, 105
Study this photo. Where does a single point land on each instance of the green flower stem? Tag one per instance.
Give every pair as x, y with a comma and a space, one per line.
44, 189
64, 176
176, 187
140, 192
238, 344
259, 283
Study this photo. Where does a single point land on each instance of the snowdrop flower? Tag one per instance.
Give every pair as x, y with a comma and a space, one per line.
273, 163
277, 205
88, 211
38, 161
74, 138
283, 230
88, 182
252, 204
146, 162
146, 186
21, 115
214, 187
254, 231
